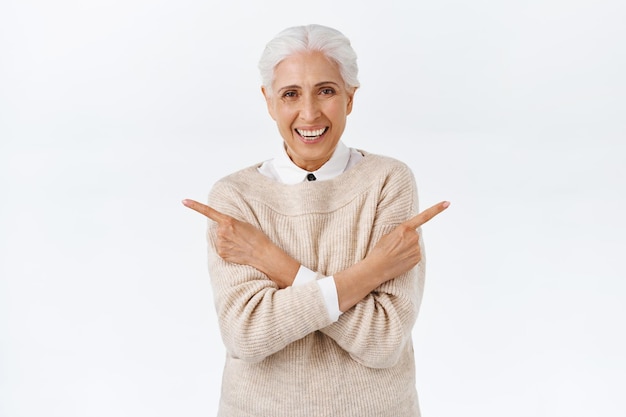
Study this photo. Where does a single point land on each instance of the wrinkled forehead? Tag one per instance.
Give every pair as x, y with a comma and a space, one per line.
306, 69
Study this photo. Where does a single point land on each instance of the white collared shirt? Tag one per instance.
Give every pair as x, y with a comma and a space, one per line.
283, 169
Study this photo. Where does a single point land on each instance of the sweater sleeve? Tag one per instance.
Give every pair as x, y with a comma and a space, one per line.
375, 331
257, 319
327, 286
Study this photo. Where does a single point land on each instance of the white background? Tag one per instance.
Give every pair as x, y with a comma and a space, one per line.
113, 111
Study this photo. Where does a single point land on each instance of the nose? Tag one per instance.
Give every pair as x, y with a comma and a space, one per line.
310, 109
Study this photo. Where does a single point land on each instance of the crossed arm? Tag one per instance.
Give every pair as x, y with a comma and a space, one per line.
395, 253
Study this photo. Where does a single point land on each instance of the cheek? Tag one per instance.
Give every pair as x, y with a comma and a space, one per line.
284, 117
337, 112
338, 108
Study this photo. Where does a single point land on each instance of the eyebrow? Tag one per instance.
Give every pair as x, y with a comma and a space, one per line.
295, 86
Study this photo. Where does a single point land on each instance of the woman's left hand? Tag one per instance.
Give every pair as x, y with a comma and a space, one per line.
242, 243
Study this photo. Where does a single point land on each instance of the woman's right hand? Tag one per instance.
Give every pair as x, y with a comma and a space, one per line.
399, 251
394, 254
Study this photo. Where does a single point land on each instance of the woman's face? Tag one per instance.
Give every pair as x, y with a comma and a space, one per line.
310, 104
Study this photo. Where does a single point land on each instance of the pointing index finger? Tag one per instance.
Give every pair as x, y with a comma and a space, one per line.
209, 212
427, 214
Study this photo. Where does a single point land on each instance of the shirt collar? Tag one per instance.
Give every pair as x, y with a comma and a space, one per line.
290, 173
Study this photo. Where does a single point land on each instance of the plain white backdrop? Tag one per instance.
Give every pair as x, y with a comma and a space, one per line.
111, 112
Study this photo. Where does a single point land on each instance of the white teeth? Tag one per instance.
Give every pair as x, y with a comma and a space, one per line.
311, 133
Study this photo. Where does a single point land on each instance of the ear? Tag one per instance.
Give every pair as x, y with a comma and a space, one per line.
351, 93
268, 101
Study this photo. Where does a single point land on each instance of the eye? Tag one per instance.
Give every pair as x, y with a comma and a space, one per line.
327, 91
290, 94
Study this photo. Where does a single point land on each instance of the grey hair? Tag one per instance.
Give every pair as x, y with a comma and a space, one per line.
332, 43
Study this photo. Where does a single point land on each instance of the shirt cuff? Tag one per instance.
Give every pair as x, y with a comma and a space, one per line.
303, 276
327, 287
329, 290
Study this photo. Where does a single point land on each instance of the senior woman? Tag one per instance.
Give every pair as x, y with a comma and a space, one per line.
316, 265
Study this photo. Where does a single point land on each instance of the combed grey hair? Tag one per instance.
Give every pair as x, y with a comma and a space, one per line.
332, 43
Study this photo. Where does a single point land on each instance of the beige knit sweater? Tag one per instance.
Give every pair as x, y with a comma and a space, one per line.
285, 358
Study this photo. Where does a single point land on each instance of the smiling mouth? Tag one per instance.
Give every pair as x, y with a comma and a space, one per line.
311, 135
